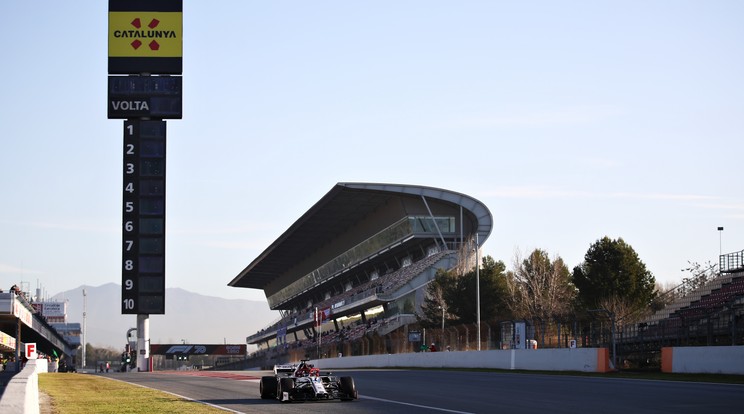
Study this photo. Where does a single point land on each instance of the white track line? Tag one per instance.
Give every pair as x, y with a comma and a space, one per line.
414, 405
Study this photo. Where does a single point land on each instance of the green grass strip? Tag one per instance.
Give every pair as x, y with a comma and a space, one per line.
80, 394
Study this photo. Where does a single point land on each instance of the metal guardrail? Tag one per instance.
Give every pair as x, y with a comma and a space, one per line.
731, 262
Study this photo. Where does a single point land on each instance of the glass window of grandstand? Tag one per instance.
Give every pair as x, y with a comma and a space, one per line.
425, 224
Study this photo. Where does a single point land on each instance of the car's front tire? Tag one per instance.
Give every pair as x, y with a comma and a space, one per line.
267, 387
285, 385
348, 389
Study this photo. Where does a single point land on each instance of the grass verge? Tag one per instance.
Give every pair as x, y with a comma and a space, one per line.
79, 393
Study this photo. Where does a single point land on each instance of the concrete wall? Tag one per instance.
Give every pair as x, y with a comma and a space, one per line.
703, 359
564, 359
22, 392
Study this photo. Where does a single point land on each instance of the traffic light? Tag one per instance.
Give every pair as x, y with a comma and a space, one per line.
127, 358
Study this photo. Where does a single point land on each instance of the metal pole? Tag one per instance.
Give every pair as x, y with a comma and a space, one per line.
320, 328
85, 328
610, 315
720, 245
614, 342
720, 250
18, 340
441, 345
477, 288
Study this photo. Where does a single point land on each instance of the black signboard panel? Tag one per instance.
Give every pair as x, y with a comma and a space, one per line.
143, 218
154, 97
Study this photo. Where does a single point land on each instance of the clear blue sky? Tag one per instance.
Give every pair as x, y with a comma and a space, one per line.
570, 120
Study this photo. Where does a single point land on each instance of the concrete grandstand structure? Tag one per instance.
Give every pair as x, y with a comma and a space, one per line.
358, 261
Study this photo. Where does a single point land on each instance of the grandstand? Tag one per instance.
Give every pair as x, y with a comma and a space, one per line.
358, 262
712, 314
713, 296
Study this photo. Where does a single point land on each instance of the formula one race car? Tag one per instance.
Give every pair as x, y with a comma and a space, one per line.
304, 382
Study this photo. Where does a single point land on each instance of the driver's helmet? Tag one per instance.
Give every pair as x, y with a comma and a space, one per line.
302, 370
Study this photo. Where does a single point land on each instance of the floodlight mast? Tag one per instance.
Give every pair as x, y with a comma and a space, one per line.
720, 242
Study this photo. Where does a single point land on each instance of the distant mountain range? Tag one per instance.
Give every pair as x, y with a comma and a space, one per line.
190, 317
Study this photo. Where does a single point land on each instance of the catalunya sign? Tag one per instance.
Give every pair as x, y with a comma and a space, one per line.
145, 36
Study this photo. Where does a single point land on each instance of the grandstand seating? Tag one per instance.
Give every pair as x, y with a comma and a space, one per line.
695, 318
385, 284
712, 292
719, 293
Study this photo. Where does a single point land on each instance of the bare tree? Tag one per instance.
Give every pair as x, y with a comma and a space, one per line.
435, 309
540, 287
700, 275
466, 258
666, 294
625, 311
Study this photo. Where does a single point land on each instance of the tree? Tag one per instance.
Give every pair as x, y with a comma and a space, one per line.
540, 287
612, 275
461, 299
95, 356
457, 293
434, 299
665, 296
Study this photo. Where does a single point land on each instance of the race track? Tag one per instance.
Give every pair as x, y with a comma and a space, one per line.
409, 392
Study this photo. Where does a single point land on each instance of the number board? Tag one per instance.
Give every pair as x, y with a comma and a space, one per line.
143, 218
155, 97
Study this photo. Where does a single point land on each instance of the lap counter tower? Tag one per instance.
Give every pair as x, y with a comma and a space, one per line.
145, 51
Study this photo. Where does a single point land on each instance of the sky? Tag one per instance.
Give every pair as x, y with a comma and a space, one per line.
569, 120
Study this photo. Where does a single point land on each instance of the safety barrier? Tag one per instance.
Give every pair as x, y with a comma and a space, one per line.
22, 392
703, 360
562, 359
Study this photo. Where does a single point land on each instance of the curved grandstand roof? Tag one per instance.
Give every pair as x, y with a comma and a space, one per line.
343, 206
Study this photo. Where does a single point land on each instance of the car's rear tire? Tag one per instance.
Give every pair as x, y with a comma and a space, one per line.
285, 385
348, 389
267, 387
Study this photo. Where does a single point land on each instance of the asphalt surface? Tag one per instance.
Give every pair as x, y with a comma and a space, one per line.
411, 392
5, 377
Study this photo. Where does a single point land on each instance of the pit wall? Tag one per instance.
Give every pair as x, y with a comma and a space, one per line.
22, 392
564, 359
703, 360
